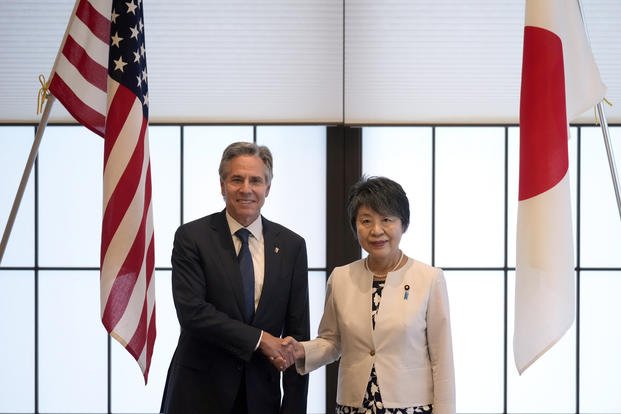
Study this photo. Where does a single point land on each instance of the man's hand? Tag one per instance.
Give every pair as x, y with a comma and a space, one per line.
282, 357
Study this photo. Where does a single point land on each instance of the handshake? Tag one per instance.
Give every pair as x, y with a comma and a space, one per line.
281, 352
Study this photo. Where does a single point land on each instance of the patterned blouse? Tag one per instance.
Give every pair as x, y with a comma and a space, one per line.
372, 403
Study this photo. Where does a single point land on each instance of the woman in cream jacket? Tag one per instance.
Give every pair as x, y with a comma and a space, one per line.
385, 316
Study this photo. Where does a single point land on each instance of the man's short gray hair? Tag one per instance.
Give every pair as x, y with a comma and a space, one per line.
247, 148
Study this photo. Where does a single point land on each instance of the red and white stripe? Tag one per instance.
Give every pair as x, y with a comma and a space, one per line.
127, 251
81, 83
560, 80
80, 74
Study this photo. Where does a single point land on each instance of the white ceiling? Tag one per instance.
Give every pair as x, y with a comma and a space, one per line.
228, 61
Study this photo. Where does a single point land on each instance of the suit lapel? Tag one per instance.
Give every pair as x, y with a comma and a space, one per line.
272, 252
228, 258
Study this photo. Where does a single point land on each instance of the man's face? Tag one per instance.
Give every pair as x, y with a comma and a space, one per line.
244, 188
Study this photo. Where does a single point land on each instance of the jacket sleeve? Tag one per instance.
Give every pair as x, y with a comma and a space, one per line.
326, 348
197, 316
297, 325
440, 347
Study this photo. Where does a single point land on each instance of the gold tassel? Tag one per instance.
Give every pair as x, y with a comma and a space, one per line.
597, 121
43, 93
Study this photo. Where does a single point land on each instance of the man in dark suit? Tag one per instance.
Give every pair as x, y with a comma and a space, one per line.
228, 358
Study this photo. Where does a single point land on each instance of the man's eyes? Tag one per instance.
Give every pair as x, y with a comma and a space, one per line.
253, 181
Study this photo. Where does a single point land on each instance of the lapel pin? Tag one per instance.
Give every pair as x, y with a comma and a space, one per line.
407, 292
276, 249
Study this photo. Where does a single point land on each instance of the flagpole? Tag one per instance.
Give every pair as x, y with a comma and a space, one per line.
34, 150
609, 153
604, 125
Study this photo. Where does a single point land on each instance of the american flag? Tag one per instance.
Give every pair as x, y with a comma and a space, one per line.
100, 76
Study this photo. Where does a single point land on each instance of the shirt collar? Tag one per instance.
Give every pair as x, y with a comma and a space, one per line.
256, 227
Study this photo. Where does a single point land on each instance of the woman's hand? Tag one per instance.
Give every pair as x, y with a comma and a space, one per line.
292, 346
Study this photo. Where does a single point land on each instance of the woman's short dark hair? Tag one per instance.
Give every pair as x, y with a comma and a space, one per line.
247, 148
381, 194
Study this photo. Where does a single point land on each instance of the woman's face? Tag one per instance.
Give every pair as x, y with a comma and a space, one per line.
378, 234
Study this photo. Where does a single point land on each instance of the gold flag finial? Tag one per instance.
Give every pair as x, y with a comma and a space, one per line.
43, 93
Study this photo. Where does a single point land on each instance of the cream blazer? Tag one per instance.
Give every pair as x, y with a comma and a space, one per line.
410, 346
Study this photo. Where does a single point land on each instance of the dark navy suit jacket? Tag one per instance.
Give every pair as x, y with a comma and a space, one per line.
216, 346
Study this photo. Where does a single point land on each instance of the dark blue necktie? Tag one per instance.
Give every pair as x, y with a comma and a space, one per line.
247, 273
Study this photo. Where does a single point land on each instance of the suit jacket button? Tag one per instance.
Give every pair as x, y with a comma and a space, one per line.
372, 353
239, 367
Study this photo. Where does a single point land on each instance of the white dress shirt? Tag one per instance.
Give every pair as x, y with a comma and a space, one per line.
256, 244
